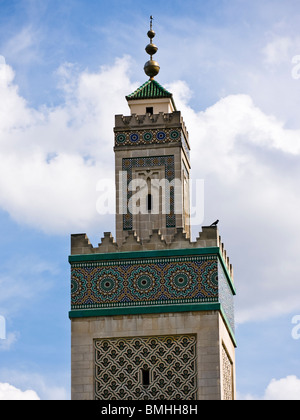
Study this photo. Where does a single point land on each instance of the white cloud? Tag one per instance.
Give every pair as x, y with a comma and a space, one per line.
283, 389
287, 388
52, 158
9, 393
48, 387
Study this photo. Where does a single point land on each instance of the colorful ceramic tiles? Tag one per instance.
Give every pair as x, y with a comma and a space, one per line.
146, 137
148, 282
112, 284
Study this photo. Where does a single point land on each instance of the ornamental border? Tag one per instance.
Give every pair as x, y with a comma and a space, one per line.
134, 261
138, 137
201, 292
143, 303
171, 253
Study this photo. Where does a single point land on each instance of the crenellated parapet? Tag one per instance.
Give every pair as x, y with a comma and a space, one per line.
80, 244
208, 238
173, 119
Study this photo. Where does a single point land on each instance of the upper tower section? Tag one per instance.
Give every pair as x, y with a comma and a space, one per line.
152, 162
151, 97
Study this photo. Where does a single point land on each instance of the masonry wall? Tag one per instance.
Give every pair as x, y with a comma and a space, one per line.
215, 377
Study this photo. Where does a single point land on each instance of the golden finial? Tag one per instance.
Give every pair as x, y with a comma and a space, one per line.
151, 68
151, 22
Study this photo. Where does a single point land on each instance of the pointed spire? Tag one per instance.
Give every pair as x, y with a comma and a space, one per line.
151, 68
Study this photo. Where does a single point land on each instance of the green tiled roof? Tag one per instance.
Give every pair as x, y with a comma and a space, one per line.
150, 90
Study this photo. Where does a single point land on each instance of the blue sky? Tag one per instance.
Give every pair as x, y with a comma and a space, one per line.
65, 68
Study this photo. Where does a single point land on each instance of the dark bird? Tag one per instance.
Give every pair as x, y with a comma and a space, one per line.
215, 223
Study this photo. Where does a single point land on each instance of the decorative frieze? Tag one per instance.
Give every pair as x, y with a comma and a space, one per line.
139, 282
148, 281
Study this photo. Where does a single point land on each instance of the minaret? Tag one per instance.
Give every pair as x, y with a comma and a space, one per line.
152, 312
152, 161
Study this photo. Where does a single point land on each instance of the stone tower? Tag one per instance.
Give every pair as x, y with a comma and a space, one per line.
152, 311
151, 159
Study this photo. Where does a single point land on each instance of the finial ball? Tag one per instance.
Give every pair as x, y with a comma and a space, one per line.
151, 34
151, 68
151, 49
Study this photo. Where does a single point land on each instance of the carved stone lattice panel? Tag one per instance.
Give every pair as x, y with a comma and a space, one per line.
227, 376
168, 163
168, 361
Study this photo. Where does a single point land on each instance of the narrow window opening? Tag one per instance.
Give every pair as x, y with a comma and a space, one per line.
149, 203
145, 377
149, 110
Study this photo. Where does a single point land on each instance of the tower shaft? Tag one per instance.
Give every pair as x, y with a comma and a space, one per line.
152, 312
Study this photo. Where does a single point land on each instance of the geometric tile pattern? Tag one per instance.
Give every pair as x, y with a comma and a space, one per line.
154, 281
146, 137
169, 361
149, 137
226, 296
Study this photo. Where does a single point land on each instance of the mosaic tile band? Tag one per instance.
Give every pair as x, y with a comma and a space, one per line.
148, 137
133, 283
141, 284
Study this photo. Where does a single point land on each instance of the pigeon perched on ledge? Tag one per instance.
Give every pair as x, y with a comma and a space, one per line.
215, 223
